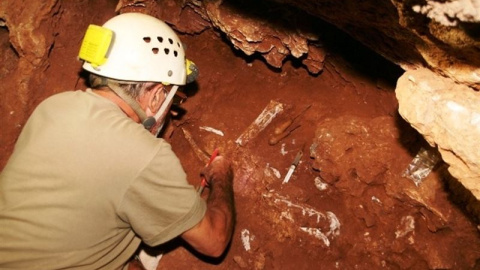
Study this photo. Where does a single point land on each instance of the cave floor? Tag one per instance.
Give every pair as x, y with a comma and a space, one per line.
310, 223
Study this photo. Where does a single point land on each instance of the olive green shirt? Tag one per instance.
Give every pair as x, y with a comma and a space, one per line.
85, 185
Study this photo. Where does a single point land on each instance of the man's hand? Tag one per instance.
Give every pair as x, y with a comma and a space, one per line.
213, 233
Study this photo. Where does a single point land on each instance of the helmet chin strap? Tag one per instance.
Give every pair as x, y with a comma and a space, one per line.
166, 103
163, 109
150, 121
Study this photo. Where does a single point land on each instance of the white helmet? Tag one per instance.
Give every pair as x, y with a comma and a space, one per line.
143, 49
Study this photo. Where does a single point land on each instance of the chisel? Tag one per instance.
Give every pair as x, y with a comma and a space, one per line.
293, 166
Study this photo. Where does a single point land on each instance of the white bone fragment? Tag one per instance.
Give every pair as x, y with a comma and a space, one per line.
246, 239
213, 130
262, 121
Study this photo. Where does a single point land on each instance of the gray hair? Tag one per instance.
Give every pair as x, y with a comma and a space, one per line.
133, 89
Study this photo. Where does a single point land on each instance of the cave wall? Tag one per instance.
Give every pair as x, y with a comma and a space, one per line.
23, 54
441, 37
35, 53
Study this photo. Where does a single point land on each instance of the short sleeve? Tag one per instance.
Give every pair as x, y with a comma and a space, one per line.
160, 204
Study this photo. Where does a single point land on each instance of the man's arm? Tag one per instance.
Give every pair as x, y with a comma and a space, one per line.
213, 233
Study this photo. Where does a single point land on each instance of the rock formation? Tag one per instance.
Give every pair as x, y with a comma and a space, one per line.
448, 116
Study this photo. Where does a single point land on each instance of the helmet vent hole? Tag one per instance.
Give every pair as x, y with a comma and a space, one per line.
155, 50
178, 44
167, 51
147, 39
160, 39
170, 40
170, 73
175, 53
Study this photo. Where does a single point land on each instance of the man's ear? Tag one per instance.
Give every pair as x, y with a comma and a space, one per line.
156, 97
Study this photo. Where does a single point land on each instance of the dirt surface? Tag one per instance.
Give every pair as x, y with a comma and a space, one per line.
346, 205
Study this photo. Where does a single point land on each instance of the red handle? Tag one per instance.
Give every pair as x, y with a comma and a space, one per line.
204, 183
214, 155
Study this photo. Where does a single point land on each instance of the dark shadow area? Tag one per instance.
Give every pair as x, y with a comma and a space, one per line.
9, 55
409, 138
189, 90
82, 79
472, 29
335, 41
179, 242
460, 196
360, 58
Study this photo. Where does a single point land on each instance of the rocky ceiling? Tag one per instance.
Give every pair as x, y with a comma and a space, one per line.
436, 42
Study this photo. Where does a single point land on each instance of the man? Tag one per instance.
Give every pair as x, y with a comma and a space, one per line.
88, 182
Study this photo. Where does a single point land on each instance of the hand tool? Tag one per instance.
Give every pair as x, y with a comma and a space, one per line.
293, 166
282, 127
204, 182
278, 137
285, 128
